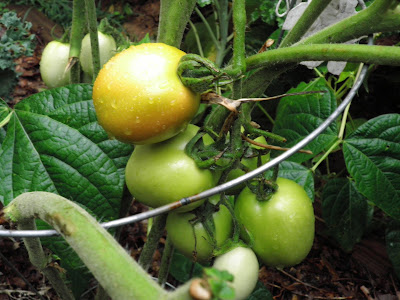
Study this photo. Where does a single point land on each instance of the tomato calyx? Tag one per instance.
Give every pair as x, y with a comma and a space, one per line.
201, 74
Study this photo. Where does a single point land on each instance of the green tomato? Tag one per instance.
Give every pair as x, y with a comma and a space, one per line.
53, 63
107, 49
187, 238
242, 263
282, 227
161, 173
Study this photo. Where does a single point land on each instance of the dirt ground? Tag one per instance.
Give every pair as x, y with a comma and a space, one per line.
327, 273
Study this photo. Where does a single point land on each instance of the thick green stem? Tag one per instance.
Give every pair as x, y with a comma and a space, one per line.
165, 262
112, 266
174, 15
309, 16
41, 261
380, 16
94, 40
239, 52
77, 30
156, 232
222, 29
383, 55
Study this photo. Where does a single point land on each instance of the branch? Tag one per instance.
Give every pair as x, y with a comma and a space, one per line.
380, 16
314, 9
112, 266
382, 55
174, 16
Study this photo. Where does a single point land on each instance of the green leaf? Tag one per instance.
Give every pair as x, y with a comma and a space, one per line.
54, 143
260, 292
345, 212
181, 268
298, 116
298, 173
393, 247
372, 157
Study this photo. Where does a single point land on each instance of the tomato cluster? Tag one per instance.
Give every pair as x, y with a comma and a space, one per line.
55, 56
140, 100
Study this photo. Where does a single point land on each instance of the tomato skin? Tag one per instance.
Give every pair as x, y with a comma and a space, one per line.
53, 63
282, 227
180, 232
139, 97
242, 263
107, 49
161, 173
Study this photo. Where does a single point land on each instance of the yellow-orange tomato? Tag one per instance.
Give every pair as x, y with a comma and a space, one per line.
139, 97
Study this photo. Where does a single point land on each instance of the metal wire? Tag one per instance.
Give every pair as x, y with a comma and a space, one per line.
217, 189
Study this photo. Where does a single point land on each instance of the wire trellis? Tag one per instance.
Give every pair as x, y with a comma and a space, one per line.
216, 190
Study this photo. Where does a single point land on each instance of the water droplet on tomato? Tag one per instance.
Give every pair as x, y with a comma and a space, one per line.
163, 85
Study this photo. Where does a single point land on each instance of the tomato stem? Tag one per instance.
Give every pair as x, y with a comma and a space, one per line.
156, 232
91, 20
77, 31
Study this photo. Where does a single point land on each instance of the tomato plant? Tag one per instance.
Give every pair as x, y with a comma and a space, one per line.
53, 64
189, 236
242, 263
107, 49
139, 97
282, 227
161, 173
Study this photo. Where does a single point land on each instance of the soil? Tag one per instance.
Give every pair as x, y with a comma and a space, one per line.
327, 272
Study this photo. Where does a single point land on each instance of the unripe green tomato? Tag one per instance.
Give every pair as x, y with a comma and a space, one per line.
107, 49
242, 263
282, 227
186, 239
161, 173
53, 63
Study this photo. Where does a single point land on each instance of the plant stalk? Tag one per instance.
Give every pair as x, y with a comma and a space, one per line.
94, 40
42, 262
156, 232
112, 266
77, 30
380, 16
314, 9
383, 55
174, 16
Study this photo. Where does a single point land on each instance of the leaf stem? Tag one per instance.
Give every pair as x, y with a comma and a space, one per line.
309, 16
383, 55
94, 40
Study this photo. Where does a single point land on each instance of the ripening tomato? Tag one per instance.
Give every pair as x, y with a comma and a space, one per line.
282, 227
161, 173
139, 97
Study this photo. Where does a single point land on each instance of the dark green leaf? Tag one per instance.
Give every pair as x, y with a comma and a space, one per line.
181, 268
372, 156
345, 212
298, 116
393, 247
54, 143
260, 292
298, 173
